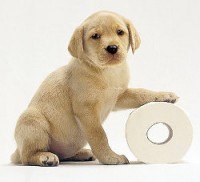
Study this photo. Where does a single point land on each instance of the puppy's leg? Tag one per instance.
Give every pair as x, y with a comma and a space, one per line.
82, 155
89, 121
33, 140
15, 157
133, 98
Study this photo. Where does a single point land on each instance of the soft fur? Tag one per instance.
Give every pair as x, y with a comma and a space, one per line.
71, 104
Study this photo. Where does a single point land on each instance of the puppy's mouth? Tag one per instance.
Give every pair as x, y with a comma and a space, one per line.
114, 58
106, 58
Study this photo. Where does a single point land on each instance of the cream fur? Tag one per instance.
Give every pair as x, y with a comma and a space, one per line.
69, 107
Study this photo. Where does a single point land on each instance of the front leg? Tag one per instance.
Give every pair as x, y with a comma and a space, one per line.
88, 118
134, 98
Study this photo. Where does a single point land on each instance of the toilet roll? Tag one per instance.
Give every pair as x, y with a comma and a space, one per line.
180, 133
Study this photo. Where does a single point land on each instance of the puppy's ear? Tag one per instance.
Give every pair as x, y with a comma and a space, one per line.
134, 38
76, 43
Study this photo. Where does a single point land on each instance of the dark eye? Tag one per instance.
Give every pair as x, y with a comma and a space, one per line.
120, 32
95, 36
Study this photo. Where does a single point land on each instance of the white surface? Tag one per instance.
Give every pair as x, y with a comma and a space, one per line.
177, 143
33, 41
100, 173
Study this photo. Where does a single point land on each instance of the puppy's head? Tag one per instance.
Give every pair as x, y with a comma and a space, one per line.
103, 39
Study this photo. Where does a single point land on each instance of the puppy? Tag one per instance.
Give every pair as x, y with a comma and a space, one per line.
71, 104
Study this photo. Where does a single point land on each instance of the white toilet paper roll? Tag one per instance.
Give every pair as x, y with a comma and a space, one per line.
180, 133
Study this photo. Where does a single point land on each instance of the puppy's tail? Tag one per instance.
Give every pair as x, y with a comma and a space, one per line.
15, 157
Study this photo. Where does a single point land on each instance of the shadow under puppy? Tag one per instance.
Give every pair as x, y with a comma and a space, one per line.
71, 104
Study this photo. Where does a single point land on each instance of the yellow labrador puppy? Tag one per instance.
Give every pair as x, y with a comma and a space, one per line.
70, 106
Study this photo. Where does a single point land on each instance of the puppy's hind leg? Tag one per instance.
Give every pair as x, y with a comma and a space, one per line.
82, 155
15, 157
32, 137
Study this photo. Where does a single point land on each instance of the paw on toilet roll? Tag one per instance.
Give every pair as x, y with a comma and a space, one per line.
169, 151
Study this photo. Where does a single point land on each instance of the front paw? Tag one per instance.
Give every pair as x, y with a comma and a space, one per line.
166, 97
114, 159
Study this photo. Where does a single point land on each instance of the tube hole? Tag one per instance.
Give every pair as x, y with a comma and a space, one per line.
159, 133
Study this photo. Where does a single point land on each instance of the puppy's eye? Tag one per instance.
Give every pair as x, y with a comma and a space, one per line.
120, 32
95, 36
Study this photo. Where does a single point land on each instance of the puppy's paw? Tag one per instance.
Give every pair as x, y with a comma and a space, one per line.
85, 155
82, 155
48, 159
115, 160
166, 97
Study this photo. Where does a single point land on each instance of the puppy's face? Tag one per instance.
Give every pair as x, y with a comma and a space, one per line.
104, 39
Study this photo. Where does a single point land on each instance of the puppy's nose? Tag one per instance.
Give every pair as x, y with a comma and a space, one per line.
112, 49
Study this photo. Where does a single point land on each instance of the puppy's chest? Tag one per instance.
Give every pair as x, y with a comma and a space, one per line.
109, 101
115, 81
110, 95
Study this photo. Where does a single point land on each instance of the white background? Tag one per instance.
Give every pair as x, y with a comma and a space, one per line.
33, 42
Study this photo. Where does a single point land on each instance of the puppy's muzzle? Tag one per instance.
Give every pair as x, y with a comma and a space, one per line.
112, 49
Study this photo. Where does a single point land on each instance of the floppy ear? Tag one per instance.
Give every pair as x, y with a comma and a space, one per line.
76, 43
134, 38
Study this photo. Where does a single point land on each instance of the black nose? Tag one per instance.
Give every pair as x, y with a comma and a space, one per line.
112, 49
